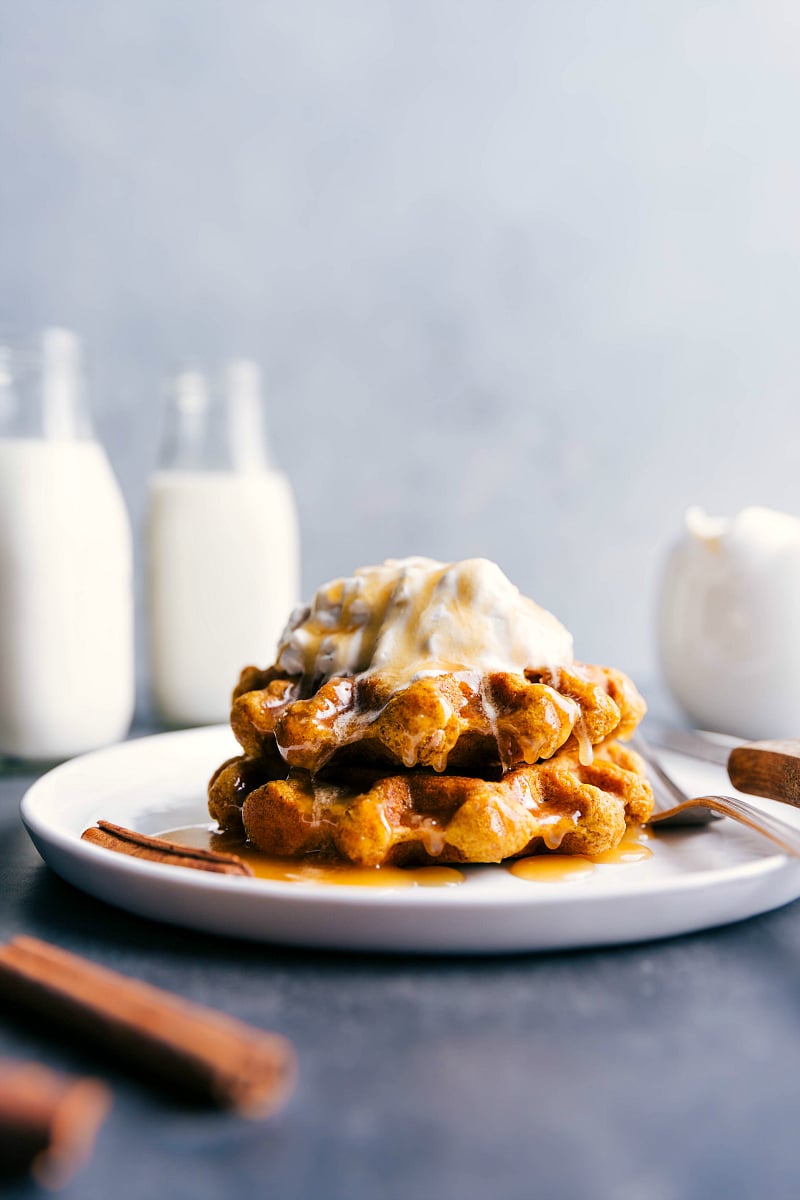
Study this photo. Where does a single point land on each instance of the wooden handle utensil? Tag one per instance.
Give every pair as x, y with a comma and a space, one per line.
770, 769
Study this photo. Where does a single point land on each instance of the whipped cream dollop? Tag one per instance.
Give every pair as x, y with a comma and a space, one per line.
413, 617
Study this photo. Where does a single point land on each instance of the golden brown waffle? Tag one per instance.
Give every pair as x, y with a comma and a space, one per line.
234, 780
365, 816
455, 722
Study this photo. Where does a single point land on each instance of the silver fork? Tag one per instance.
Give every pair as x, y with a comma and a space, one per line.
674, 807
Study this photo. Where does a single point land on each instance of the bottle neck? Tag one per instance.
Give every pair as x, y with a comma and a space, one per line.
246, 427
41, 389
209, 432
186, 443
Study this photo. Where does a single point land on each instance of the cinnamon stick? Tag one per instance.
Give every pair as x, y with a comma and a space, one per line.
48, 1121
197, 1052
139, 845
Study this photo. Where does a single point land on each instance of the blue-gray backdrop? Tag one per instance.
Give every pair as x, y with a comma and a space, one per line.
524, 277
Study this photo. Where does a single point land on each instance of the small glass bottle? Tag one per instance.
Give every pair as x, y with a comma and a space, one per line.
223, 547
66, 564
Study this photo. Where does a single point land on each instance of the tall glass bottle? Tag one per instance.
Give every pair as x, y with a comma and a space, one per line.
223, 547
66, 597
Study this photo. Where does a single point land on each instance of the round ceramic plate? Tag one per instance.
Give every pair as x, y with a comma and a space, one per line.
695, 878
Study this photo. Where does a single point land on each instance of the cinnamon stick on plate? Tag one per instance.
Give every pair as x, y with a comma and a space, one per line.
48, 1121
140, 845
197, 1052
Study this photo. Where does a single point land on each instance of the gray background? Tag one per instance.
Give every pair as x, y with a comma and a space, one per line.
523, 276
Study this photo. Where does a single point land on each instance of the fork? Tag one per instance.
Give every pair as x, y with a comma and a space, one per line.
684, 810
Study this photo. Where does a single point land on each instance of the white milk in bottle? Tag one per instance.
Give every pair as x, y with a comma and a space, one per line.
223, 548
66, 602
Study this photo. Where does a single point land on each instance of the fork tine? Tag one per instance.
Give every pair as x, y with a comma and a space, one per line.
659, 777
666, 791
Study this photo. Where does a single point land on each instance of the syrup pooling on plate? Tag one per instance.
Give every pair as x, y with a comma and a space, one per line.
538, 868
563, 868
631, 849
552, 868
311, 870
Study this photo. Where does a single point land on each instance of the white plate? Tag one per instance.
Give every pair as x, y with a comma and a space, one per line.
694, 880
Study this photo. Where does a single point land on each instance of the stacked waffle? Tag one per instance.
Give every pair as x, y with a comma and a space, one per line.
422, 752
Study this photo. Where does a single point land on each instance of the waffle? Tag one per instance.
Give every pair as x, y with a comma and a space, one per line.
424, 712
447, 722
370, 817
235, 779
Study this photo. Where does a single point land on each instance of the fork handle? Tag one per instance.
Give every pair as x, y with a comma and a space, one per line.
770, 769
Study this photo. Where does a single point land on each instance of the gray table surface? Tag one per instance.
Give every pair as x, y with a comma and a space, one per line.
661, 1070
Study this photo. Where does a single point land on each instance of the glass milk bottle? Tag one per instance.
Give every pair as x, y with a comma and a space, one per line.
223, 547
66, 597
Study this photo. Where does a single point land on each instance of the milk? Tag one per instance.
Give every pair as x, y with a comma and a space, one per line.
223, 553
66, 610
223, 580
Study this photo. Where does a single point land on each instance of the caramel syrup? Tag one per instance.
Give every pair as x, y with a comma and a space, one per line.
538, 868
561, 868
552, 868
266, 866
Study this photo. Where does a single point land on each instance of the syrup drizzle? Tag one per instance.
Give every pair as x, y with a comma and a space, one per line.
310, 870
412, 618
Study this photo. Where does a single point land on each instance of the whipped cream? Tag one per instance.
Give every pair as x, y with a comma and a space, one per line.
413, 617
